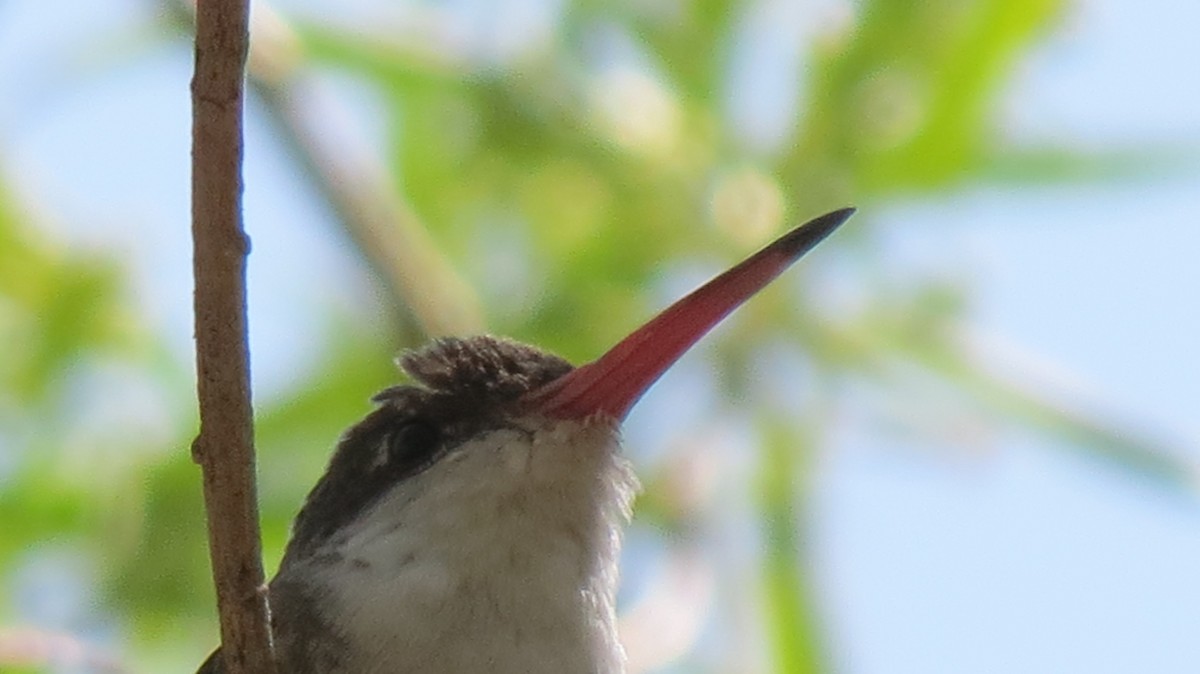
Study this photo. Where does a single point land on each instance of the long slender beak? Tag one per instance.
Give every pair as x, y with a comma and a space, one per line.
611, 385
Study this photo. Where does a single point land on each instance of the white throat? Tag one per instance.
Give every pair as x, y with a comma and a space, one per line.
501, 557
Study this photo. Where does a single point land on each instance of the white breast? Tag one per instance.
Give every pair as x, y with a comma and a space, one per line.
502, 557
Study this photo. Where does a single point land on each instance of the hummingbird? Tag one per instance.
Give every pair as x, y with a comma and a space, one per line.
472, 521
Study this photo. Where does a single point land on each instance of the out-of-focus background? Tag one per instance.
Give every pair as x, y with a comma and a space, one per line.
960, 437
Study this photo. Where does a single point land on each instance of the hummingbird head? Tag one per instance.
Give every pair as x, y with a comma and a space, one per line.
460, 511
483, 503
462, 388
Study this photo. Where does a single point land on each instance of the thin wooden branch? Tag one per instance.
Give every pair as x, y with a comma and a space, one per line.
225, 446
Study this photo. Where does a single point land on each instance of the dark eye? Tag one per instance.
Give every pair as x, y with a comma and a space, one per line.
413, 443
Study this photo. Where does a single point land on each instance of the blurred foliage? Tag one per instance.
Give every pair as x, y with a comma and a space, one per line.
601, 156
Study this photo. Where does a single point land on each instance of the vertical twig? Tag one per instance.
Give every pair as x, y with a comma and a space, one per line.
225, 446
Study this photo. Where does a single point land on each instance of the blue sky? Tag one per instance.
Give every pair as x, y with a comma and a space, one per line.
1028, 559
1020, 558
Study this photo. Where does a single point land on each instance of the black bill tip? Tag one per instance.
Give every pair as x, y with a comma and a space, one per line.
803, 238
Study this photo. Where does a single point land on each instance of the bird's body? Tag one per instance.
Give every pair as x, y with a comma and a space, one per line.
522, 572
472, 522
